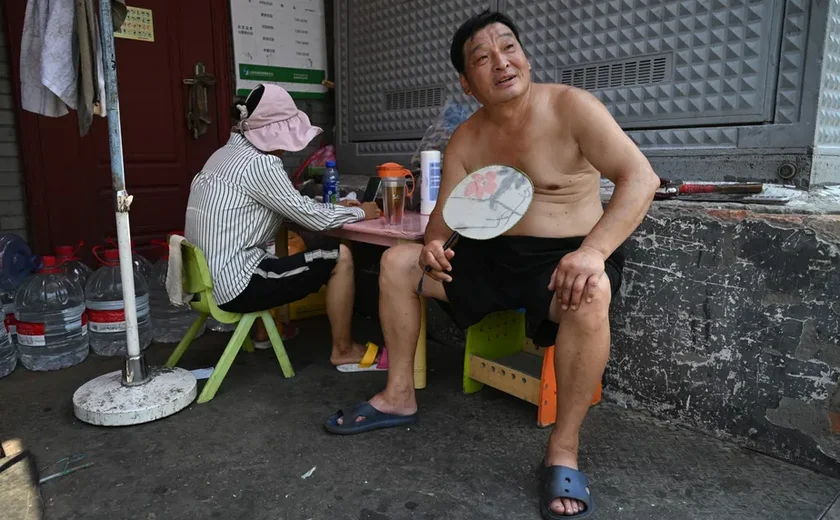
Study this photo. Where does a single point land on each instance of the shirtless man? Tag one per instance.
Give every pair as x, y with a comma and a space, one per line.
562, 261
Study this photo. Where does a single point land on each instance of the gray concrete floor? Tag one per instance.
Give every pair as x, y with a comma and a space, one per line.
243, 454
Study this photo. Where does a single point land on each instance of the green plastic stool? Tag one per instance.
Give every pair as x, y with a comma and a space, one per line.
197, 280
498, 335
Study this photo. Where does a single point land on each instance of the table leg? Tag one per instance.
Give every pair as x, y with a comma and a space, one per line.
420, 353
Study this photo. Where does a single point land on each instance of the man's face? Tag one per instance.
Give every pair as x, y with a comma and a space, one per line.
496, 69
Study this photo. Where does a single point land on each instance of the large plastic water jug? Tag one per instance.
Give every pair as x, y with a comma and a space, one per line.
141, 263
106, 307
51, 330
8, 353
71, 265
16, 264
169, 322
217, 326
7, 306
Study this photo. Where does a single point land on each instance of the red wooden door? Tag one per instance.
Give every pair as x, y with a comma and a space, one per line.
68, 177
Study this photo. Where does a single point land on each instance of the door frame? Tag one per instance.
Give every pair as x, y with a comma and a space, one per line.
29, 139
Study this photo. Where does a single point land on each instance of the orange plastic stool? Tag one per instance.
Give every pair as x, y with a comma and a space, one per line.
547, 409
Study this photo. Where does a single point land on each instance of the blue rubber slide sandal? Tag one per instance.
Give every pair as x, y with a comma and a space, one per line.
564, 482
373, 419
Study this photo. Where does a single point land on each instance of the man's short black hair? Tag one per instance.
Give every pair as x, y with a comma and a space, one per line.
472, 26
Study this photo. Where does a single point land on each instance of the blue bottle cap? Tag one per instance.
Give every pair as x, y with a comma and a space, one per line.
330, 164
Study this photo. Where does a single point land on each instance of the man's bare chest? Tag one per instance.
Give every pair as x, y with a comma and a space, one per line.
547, 160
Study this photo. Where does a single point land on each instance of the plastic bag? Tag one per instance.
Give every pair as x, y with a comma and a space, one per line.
317, 158
441, 129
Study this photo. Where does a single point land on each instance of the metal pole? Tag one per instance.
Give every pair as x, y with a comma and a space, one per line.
135, 371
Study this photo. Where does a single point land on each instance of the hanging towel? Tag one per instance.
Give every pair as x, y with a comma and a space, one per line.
91, 87
89, 54
174, 273
61, 58
48, 74
92, 94
118, 13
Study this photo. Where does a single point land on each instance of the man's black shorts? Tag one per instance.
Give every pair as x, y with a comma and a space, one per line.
512, 273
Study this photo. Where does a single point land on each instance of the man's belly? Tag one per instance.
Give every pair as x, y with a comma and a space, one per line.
550, 217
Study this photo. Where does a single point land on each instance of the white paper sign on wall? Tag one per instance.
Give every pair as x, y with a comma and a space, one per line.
282, 42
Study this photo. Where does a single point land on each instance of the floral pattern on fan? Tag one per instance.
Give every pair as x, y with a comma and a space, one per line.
482, 186
488, 202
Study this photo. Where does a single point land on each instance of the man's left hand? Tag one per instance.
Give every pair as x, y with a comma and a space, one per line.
349, 203
576, 275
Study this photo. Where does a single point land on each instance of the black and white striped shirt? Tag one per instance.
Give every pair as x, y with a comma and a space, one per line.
236, 205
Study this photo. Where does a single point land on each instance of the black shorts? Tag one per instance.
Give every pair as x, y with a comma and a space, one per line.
278, 281
513, 273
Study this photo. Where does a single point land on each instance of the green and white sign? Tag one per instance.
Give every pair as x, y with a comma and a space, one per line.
282, 42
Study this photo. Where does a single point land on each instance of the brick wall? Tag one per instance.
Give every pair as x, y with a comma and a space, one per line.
12, 201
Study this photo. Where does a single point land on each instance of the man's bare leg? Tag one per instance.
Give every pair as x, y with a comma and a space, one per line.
340, 297
399, 313
580, 355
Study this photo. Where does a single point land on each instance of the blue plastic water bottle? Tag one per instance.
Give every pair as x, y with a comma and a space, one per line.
331, 183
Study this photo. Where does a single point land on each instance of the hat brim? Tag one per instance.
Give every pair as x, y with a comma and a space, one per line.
291, 135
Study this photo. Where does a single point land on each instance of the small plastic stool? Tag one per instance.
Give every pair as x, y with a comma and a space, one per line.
197, 280
498, 354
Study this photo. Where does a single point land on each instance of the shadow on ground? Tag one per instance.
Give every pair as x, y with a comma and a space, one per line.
243, 455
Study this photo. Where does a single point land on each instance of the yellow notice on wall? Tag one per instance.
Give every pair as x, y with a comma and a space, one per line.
138, 25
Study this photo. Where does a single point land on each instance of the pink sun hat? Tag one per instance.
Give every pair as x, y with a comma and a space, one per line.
277, 124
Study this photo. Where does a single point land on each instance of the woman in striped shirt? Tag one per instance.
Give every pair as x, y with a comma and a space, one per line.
237, 203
